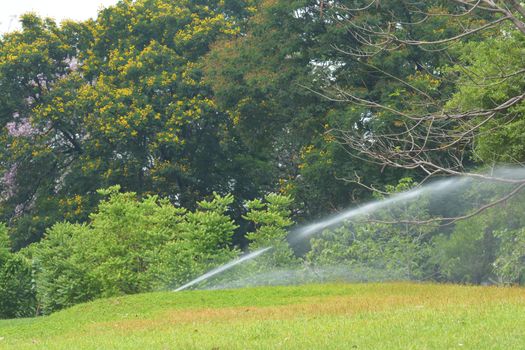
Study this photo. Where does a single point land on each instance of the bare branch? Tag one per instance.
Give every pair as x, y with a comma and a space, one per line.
451, 220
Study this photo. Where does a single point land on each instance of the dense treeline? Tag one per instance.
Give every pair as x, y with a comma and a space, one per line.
136, 98
195, 109
132, 245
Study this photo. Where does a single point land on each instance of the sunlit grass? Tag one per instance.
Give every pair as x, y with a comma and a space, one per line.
335, 316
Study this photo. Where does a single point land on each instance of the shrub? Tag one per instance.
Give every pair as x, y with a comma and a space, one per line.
372, 244
271, 219
130, 245
509, 266
201, 241
17, 296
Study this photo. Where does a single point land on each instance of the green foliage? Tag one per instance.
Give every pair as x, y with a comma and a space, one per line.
63, 278
266, 80
509, 265
467, 254
400, 249
500, 138
130, 245
5, 244
17, 293
17, 297
116, 100
486, 247
203, 241
271, 219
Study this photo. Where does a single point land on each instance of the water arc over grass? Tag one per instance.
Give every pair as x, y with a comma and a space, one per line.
223, 268
447, 190
306, 231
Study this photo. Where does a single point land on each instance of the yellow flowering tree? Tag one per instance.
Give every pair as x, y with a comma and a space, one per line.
120, 100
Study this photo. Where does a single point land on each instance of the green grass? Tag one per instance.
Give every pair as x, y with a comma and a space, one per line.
334, 316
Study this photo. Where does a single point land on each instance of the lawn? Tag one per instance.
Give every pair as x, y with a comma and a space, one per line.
331, 316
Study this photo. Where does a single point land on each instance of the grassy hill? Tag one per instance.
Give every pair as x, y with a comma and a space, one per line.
335, 316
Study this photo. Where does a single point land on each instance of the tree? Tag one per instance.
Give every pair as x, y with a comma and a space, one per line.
447, 58
31, 62
271, 219
265, 80
120, 100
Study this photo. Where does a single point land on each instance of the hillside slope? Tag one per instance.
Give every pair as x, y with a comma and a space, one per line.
335, 316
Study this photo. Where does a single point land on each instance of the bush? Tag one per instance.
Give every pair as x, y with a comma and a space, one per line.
486, 248
63, 274
509, 266
271, 219
367, 244
130, 245
466, 255
201, 241
17, 296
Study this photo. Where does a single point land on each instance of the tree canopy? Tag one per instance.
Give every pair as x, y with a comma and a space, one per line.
163, 138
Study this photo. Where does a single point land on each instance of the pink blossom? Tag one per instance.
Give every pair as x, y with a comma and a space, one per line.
21, 128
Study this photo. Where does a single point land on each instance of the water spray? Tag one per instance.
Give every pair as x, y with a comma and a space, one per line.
371, 207
224, 268
321, 225
435, 188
